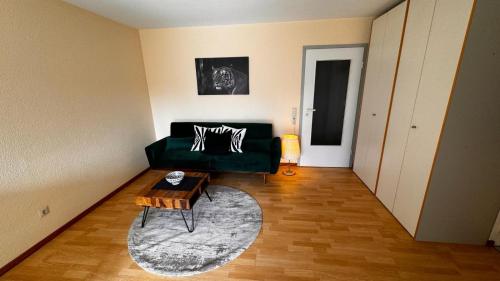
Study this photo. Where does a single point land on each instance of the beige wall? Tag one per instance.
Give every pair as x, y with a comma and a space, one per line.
275, 52
74, 115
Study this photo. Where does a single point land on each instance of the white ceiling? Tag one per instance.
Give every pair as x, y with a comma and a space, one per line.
174, 13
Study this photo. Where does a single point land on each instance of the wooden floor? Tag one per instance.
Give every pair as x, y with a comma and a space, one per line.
321, 224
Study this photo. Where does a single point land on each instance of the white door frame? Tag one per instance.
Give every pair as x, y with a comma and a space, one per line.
360, 90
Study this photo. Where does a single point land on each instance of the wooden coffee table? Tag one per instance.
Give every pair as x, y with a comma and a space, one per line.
181, 197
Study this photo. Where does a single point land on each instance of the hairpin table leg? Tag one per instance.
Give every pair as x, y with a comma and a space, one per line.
144, 215
209, 198
192, 220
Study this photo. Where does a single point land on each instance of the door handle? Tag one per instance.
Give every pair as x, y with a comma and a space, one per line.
309, 110
413, 126
374, 114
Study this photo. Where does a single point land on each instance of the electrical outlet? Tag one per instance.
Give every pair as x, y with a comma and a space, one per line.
45, 211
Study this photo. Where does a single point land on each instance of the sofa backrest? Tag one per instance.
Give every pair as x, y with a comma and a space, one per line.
254, 130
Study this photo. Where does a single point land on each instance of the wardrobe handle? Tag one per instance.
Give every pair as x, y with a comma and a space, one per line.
374, 114
413, 126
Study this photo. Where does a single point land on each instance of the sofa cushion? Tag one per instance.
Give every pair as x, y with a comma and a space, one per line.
179, 143
254, 130
237, 136
246, 161
200, 136
217, 143
185, 159
257, 145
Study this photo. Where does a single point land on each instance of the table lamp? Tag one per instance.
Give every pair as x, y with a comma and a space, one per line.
290, 151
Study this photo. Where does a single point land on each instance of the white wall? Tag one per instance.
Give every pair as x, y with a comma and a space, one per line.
275, 53
74, 116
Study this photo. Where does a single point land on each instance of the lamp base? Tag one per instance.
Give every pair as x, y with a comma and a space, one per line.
288, 172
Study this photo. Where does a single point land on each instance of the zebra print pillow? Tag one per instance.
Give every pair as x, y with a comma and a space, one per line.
199, 137
236, 138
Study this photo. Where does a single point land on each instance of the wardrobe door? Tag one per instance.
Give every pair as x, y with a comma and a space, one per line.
369, 94
381, 102
377, 93
417, 29
446, 39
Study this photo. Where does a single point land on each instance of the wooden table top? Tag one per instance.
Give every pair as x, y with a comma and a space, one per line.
172, 199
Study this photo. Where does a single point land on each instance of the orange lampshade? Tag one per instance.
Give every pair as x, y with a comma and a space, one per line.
290, 149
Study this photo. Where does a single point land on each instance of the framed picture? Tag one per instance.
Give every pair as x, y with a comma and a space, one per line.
222, 76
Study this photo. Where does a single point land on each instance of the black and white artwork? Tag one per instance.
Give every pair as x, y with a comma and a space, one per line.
222, 76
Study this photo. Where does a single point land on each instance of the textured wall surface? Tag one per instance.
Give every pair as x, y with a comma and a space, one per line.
74, 115
275, 53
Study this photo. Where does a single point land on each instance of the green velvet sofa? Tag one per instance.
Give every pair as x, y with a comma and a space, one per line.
261, 152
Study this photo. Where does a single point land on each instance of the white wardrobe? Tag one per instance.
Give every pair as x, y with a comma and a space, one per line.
405, 105
432, 45
385, 41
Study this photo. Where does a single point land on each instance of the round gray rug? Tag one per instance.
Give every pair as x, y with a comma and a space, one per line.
224, 228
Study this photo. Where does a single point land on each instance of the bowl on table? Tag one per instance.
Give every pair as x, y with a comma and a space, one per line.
175, 177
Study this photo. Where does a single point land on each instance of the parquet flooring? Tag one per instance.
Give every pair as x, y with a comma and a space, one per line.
321, 224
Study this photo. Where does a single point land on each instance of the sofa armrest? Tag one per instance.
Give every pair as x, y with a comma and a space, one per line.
155, 150
275, 154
